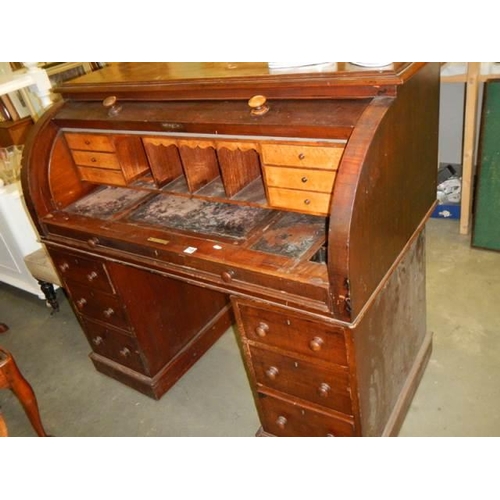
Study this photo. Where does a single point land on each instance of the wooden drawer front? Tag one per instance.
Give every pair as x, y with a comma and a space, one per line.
302, 201
285, 419
90, 142
82, 270
294, 334
329, 388
114, 345
96, 160
97, 305
102, 176
300, 178
302, 156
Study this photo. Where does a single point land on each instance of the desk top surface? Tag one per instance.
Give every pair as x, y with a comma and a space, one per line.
234, 80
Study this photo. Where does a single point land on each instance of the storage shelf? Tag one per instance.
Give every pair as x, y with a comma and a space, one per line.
34, 77
472, 74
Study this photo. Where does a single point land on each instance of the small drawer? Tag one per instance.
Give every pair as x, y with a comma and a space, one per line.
323, 157
284, 419
301, 201
114, 345
96, 160
82, 270
329, 388
90, 142
300, 178
294, 334
102, 176
97, 305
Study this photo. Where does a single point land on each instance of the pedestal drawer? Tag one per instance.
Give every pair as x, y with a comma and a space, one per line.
82, 270
326, 157
96, 160
293, 333
301, 201
283, 418
95, 304
329, 388
90, 142
320, 181
114, 345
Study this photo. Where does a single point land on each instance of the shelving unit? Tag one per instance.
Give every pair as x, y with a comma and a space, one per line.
473, 75
33, 77
18, 237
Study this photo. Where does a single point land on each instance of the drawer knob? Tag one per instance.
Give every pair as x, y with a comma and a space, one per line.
92, 276
281, 421
304, 179
97, 340
302, 156
81, 302
316, 344
125, 352
262, 329
108, 312
307, 201
112, 106
64, 266
324, 390
93, 159
330, 435
87, 142
272, 372
227, 276
93, 242
258, 106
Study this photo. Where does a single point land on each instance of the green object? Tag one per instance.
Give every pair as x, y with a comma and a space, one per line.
486, 230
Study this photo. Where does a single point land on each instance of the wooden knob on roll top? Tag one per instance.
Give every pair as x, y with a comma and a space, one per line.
111, 104
258, 105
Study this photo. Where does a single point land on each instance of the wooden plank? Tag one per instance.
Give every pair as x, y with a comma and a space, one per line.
468, 148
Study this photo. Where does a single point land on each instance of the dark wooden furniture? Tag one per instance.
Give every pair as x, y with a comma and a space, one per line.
175, 198
14, 132
12, 378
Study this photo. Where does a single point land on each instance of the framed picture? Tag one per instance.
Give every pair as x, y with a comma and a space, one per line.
21, 104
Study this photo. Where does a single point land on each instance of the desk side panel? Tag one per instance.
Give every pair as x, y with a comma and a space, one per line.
390, 345
395, 189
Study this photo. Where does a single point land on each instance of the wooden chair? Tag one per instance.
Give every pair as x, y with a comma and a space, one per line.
42, 268
11, 378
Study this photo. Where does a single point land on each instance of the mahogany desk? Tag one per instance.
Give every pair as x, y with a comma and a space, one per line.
176, 198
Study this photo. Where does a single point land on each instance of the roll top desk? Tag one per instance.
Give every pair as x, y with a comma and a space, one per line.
178, 198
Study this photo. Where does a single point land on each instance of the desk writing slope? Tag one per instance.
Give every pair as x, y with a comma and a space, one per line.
178, 198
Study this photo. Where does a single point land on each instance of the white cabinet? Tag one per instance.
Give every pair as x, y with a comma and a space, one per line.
17, 239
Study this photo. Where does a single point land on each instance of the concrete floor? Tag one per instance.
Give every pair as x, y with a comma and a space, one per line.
459, 394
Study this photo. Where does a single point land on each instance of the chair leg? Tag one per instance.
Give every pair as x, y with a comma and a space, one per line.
3, 427
24, 392
50, 294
